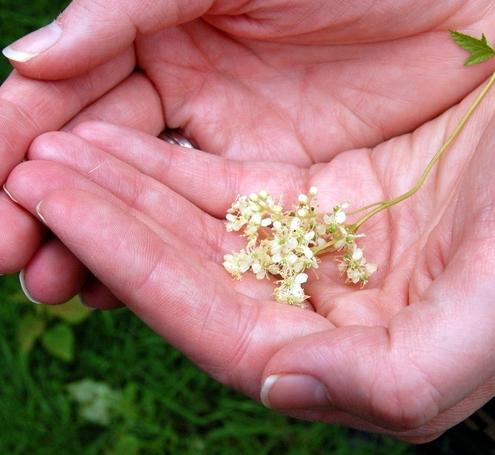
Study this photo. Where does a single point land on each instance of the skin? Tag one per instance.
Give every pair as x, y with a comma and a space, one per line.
276, 81
385, 354
389, 349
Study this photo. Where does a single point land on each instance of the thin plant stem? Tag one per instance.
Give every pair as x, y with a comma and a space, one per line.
379, 206
322, 249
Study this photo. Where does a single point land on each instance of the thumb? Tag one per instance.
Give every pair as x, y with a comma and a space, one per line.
347, 369
91, 32
433, 355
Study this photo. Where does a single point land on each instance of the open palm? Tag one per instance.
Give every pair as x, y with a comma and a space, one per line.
290, 81
409, 354
286, 82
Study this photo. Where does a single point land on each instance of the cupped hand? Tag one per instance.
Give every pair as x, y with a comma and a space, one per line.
409, 355
285, 81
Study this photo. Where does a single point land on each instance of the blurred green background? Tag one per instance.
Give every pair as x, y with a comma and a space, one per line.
82, 382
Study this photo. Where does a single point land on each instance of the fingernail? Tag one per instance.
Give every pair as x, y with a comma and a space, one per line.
294, 391
7, 192
38, 211
35, 43
24, 288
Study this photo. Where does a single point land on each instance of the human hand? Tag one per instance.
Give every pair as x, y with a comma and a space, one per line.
29, 108
410, 355
280, 82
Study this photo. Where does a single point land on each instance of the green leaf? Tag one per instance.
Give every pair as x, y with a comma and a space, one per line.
479, 49
73, 312
127, 444
28, 330
59, 342
97, 401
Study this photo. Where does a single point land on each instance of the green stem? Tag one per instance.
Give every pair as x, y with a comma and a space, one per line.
322, 249
379, 206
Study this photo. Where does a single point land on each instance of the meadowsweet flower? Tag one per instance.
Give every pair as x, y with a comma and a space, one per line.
355, 267
237, 263
290, 290
285, 244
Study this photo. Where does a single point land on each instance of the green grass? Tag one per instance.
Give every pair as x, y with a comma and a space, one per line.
18, 17
171, 407
168, 405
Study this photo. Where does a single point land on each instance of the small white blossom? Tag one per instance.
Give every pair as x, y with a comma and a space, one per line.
285, 244
301, 278
308, 252
256, 218
237, 264
357, 254
295, 223
309, 235
292, 243
355, 266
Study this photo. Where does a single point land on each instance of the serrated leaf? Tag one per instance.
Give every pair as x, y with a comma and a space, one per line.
73, 312
59, 342
479, 49
28, 330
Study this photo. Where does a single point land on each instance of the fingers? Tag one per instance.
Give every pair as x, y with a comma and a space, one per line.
185, 298
53, 275
349, 369
209, 181
27, 109
50, 176
434, 355
161, 207
17, 241
134, 103
96, 295
142, 193
90, 32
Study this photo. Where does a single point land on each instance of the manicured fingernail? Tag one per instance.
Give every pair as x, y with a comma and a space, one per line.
293, 391
34, 44
7, 192
38, 211
24, 288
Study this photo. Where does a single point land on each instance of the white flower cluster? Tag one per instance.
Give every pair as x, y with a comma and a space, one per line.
286, 243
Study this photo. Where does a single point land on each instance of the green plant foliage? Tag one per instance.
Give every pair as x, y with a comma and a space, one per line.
59, 342
127, 444
38, 323
28, 331
479, 49
72, 312
166, 404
